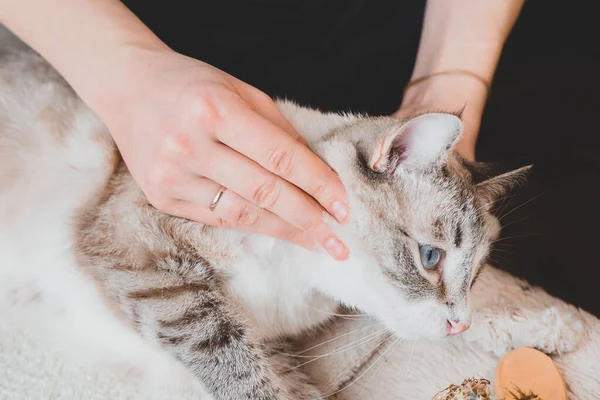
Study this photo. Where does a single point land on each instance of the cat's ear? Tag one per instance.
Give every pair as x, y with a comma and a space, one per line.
499, 186
419, 143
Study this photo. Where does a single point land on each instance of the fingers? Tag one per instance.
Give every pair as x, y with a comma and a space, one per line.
262, 104
274, 115
272, 193
264, 142
232, 211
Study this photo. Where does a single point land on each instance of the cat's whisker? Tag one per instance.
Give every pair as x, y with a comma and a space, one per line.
514, 237
348, 316
376, 322
489, 203
497, 261
396, 344
412, 350
503, 251
299, 354
368, 354
520, 219
342, 349
356, 365
505, 202
366, 371
519, 206
496, 256
501, 245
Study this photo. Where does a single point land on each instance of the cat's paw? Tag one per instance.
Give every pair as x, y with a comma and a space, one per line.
492, 335
550, 330
559, 331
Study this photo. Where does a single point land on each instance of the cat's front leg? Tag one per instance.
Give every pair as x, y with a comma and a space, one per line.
195, 322
551, 330
510, 313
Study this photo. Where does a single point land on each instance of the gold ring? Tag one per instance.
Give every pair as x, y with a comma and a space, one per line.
218, 196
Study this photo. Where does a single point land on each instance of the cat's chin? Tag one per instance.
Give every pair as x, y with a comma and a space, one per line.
424, 335
419, 320
420, 336
420, 329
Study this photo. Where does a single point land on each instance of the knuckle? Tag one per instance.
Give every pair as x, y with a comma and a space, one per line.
177, 146
309, 225
320, 190
264, 99
222, 223
266, 194
281, 162
291, 235
204, 111
247, 216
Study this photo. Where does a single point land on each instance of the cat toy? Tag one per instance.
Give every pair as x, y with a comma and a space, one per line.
522, 374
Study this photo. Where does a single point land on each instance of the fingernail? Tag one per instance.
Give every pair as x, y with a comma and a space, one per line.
336, 248
340, 211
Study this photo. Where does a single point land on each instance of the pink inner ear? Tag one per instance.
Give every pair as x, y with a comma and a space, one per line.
418, 143
379, 158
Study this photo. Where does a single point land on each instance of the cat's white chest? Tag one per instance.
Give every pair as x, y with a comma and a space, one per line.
274, 293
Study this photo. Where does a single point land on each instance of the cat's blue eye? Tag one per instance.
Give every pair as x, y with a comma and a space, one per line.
430, 256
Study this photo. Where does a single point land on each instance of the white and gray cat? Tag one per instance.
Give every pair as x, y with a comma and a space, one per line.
222, 302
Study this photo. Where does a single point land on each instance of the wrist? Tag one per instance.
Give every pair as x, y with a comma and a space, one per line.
98, 40
478, 58
454, 93
451, 92
119, 77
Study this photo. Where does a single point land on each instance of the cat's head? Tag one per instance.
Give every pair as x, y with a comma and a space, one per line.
420, 226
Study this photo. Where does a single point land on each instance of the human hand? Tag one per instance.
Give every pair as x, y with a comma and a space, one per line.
450, 93
185, 129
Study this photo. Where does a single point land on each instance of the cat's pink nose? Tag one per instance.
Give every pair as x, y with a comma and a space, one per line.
454, 328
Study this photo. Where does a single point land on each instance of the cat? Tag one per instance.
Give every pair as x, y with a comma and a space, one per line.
225, 303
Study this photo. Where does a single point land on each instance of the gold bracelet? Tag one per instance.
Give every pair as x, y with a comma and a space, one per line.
486, 83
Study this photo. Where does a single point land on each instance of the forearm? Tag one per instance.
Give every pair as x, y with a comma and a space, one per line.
88, 41
460, 35
465, 34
